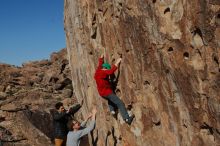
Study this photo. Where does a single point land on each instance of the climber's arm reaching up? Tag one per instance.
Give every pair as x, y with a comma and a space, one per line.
101, 60
114, 67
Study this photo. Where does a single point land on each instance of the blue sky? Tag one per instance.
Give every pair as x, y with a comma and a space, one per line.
30, 30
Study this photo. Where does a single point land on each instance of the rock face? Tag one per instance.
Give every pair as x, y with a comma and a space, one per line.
170, 68
27, 95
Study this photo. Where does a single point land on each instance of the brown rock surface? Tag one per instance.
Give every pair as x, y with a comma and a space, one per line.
170, 68
27, 94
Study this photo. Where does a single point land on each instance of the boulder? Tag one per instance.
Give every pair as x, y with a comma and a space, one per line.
169, 69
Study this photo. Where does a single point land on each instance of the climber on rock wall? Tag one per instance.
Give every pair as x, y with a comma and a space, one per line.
102, 77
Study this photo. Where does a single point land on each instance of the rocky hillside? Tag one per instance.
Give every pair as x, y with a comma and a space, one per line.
27, 95
170, 68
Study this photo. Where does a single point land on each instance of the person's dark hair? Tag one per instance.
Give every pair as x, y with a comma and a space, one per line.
70, 124
58, 105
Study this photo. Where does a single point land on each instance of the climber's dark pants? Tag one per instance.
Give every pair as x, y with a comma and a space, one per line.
114, 100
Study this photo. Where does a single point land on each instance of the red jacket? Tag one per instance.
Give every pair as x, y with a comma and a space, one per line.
102, 79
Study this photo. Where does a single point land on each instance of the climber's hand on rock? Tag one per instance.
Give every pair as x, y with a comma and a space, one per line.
118, 61
94, 111
102, 55
89, 116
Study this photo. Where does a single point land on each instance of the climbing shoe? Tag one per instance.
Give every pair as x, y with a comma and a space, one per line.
113, 113
129, 119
